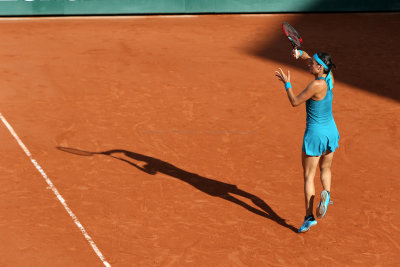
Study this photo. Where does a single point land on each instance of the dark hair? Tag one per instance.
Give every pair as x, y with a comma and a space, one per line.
326, 58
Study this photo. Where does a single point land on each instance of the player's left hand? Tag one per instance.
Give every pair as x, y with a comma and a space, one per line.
282, 77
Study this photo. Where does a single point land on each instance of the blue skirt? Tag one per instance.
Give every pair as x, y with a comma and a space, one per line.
319, 139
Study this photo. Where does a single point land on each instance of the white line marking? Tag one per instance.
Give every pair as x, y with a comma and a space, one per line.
55, 191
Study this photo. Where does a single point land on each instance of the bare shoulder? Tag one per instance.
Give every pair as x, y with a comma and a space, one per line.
318, 85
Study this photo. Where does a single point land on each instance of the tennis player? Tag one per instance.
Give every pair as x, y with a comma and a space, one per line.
321, 136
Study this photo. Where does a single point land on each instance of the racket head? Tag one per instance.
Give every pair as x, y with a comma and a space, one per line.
293, 36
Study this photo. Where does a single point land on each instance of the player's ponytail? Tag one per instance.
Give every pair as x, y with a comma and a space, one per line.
326, 58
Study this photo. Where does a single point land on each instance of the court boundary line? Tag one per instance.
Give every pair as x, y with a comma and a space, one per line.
55, 191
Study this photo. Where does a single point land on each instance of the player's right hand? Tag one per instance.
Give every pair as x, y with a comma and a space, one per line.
295, 53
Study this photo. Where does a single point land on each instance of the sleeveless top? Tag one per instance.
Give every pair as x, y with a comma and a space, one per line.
320, 111
321, 134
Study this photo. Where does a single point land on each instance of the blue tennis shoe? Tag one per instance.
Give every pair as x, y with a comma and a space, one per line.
309, 221
323, 204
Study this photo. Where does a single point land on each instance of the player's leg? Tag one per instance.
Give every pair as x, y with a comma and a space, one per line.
326, 177
325, 168
310, 165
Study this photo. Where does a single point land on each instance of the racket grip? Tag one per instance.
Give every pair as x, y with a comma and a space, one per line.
300, 53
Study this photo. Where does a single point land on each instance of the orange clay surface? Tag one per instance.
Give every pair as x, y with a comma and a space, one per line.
202, 162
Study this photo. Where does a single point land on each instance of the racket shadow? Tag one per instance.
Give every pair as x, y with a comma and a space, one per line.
209, 186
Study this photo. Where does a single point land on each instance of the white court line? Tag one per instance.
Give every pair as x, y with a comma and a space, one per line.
55, 191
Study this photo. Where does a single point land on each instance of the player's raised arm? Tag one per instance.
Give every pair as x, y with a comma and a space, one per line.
300, 54
313, 88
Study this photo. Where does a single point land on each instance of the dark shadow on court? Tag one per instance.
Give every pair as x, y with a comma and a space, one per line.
363, 47
211, 187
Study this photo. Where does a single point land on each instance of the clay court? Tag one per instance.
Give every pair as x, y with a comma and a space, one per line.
174, 144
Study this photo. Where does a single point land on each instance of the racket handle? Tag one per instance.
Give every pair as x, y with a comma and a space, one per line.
295, 53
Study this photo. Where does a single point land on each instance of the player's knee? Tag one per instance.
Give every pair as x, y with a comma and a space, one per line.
308, 177
325, 167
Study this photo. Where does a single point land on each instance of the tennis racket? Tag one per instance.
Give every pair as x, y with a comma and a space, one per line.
293, 36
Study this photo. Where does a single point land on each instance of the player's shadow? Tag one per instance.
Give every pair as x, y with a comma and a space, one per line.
211, 187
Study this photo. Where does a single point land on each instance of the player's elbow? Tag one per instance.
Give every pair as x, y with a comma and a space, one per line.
294, 103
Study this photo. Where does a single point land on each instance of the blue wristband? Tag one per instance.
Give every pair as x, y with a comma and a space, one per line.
301, 52
287, 86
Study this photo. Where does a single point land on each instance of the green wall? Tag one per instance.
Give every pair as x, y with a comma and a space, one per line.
93, 7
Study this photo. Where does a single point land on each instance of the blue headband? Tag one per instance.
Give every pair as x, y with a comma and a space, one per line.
320, 62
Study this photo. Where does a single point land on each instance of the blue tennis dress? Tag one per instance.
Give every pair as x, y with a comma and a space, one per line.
321, 134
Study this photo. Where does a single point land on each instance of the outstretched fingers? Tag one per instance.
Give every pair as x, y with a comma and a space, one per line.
281, 75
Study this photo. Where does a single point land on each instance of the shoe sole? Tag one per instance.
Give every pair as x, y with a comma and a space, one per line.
321, 210
308, 228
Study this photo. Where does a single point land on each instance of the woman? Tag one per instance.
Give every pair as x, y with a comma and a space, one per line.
321, 136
